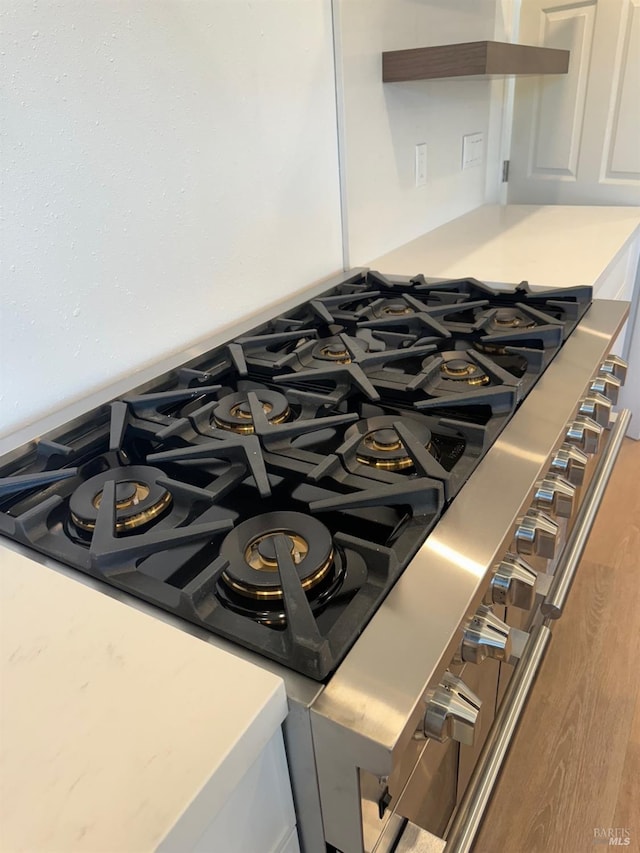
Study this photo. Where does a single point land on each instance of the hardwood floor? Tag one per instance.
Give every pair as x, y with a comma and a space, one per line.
575, 765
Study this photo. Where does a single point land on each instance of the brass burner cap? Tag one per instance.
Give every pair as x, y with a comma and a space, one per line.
260, 554
250, 550
512, 318
467, 371
397, 309
139, 498
458, 367
384, 440
233, 413
336, 352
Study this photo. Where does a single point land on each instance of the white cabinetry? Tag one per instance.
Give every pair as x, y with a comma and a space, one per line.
622, 281
628, 346
258, 815
617, 282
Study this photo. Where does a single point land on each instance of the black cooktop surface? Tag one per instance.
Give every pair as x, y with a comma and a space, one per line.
273, 489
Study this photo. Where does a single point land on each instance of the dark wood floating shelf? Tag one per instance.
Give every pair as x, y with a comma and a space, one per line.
474, 58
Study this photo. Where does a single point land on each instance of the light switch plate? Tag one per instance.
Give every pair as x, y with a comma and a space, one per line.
472, 150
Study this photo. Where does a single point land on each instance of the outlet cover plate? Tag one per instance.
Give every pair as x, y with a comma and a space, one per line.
472, 150
421, 164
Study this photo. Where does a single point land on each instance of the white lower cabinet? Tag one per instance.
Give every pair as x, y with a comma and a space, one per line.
258, 815
621, 280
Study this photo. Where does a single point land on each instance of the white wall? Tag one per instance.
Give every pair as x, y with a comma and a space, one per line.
167, 167
382, 123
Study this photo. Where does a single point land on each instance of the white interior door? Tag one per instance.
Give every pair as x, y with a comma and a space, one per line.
576, 136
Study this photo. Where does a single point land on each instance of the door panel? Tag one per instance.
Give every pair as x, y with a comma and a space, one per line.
622, 143
576, 137
558, 108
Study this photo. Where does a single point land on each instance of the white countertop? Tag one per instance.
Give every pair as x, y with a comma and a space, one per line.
112, 722
549, 246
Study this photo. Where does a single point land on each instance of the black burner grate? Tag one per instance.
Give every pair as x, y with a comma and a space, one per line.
352, 420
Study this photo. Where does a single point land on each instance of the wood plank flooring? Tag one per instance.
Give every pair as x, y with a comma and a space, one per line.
575, 763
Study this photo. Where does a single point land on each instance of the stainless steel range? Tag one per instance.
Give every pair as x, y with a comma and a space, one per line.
383, 495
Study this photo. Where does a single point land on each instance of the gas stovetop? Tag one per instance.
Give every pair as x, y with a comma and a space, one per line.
273, 489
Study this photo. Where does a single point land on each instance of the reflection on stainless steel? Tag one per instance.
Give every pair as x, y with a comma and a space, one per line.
485, 636
525, 453
553, 494
570, 463
456, 557
536, 534
513, 583
597, 407
613, 365
555, 600
607, 385
452, 712
585, 433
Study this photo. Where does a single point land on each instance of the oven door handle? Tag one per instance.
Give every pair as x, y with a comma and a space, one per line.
554, 602
472, 807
